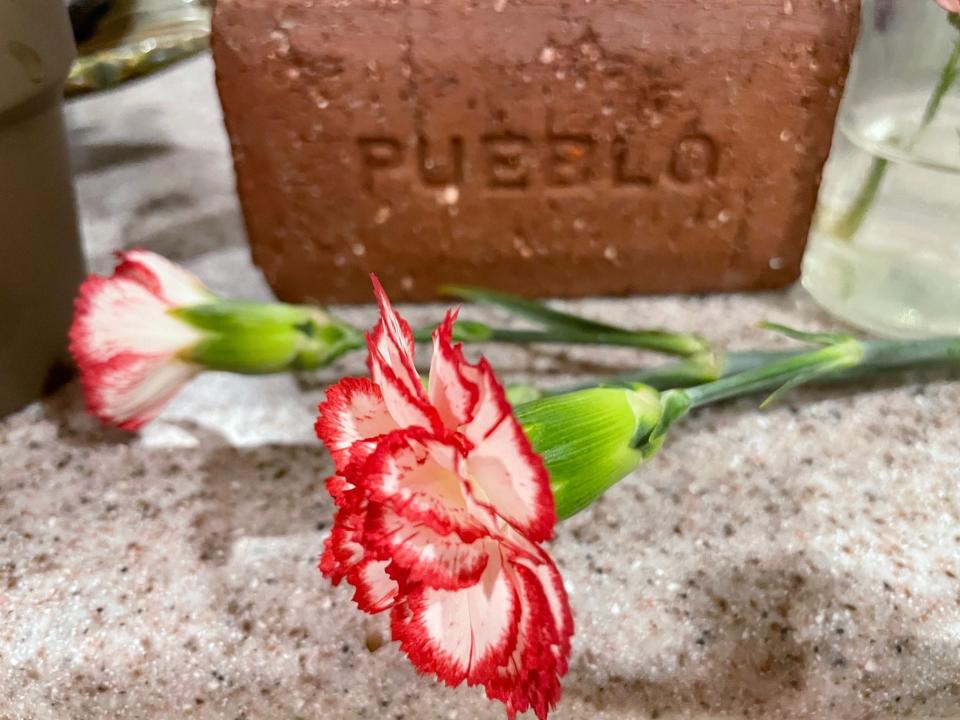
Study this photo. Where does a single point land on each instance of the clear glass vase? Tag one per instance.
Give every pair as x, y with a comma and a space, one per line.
884, 251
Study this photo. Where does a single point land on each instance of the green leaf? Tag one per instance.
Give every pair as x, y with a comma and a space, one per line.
805, 376
530, 309
816, 338
566, 327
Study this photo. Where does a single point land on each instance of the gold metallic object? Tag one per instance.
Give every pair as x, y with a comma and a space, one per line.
134, 38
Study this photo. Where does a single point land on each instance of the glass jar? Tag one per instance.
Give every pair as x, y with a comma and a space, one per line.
884, 251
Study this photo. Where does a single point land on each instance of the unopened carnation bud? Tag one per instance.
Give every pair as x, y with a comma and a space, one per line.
592, 439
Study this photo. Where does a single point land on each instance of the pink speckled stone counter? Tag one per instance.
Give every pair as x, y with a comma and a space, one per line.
803, 562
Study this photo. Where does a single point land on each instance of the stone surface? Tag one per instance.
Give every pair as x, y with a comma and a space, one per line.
801, 562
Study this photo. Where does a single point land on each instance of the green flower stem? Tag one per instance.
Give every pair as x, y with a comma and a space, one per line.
688, 372
590, 439
881, 356
778, 374
848, 224
562, 327
258, 338
948, 75
845, 359
654, 340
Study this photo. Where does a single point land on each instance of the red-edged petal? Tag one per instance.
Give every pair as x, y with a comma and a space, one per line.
125, 342
130, 390
438, 561
415, 474
375, 590
353, 411
342, 550
502, 465
540, 579
451, 392
391, 365
115, 316
408, 409
168, 281
460, 634
344, 557
530, 677
392, 339
343, 492
551, 584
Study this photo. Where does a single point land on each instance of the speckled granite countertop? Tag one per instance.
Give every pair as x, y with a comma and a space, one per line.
803, 562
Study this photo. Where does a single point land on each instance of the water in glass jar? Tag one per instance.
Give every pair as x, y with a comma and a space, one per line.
898, 274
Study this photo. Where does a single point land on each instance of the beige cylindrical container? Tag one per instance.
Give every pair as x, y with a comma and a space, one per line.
41, 262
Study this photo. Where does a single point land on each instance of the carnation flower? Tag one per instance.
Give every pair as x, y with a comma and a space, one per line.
442, 506
126, 343
139, 335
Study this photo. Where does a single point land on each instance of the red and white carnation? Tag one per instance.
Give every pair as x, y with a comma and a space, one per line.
126, 343
442, 506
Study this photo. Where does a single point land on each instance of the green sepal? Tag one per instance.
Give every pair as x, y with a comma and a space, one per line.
255, 338
815, 338
674, 404
588, 439
229, 315
258, 351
